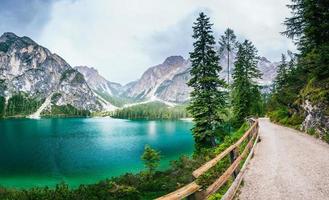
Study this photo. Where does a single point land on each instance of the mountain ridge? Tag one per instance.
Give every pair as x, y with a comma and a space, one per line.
167, 81
30, 74
32, 71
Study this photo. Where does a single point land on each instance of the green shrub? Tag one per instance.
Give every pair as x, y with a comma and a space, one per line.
151, 158
311, 131
282, 116
326, 137
278, 115
316, 91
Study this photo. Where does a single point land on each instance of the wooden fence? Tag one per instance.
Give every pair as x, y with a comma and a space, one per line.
195, 191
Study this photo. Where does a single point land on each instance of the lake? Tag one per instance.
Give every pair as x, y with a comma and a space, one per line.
84, 150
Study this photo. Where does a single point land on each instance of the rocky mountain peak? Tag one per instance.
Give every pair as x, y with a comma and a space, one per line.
151, 82
167, 81
174, 60
29, 69
263, 59
88, 71
10, 40
8, 36
98, 83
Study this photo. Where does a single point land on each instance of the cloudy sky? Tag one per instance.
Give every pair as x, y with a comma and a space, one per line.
122, 38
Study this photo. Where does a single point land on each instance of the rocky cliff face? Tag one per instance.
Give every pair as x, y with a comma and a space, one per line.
176, 89
30, 69
267, 68
99, 83
316, 120
269, 71
159, 81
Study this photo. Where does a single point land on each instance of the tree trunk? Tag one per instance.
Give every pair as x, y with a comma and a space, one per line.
228, 67
213, 141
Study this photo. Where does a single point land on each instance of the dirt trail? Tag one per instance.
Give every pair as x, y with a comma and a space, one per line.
287, 165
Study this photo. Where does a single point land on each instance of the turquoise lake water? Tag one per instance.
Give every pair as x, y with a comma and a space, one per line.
84, 150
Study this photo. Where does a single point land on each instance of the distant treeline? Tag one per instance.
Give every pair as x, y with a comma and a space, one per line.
65, 111
154, 110
19, 104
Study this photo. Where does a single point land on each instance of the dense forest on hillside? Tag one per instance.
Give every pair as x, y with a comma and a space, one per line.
19, 104
153, 110
300, 95
65, 111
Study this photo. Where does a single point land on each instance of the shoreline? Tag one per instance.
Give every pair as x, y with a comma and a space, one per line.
189, 119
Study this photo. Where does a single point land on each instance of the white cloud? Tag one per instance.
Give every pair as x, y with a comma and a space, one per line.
121, 38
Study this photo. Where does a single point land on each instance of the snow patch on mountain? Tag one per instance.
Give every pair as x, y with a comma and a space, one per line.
45, 104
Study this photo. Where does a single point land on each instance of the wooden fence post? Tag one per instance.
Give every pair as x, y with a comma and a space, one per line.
191, 197
233, 155
193, 191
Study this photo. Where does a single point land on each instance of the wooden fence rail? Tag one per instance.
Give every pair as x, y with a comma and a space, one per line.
194, 191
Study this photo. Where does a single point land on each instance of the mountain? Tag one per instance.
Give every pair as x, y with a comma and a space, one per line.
34, 80
108, 93
164, 81
167, 81
268, 69
97, 82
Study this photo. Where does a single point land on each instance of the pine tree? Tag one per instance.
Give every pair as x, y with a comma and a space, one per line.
208, 97
309, 27
227, 44
246, 93
287, 84
151, 159
307, 72
281, 77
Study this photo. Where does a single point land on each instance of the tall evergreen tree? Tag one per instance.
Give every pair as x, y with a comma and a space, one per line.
281, 76
227, 44
151, 159
208, 97
309, 27
246, 95
308, 71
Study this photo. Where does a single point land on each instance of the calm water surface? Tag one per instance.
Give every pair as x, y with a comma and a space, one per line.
83, 150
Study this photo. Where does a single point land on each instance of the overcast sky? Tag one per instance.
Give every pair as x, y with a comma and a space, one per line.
122, 38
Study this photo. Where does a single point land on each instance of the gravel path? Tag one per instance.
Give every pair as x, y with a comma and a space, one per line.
287, 165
